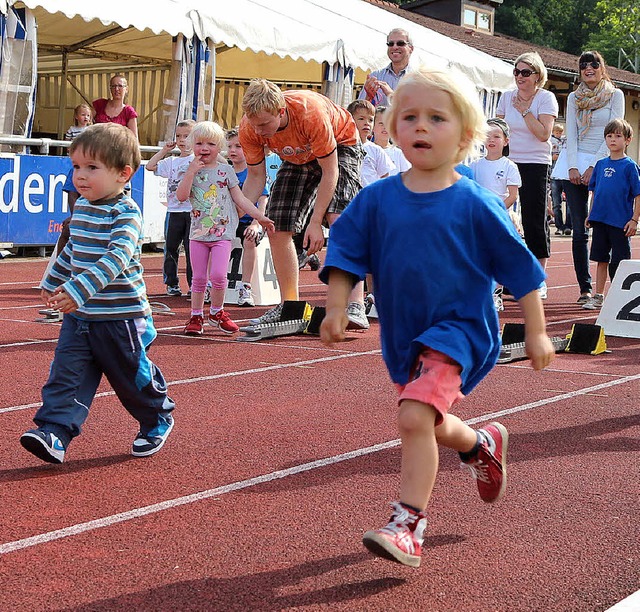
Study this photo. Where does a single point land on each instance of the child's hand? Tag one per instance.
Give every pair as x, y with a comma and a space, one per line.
267, 224
169, 146
196, 165
62, 301
313, 239
630, 228
540, 350
253, 232
45, 295
333, 326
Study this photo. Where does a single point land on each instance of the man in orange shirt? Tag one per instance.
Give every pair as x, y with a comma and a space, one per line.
320, 173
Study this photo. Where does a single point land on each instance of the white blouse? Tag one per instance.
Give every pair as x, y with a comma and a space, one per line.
524, 147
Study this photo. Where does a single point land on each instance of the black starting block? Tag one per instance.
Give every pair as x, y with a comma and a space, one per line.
297, 317
583, 339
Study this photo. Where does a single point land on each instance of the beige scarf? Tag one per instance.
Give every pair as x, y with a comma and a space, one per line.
588, 100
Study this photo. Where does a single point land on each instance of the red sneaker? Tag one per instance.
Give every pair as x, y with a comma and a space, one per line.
223, 322
400, 540
195, 326
489, 466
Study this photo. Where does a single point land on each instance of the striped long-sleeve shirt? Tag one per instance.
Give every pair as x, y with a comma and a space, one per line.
100, 267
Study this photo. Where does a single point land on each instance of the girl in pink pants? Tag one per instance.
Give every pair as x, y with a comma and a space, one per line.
212, 188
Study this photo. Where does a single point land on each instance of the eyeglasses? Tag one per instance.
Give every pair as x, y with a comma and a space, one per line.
397, 43
595, 64
526, 73
117, 86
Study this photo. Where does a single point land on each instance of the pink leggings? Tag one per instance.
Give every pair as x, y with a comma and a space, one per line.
215, 256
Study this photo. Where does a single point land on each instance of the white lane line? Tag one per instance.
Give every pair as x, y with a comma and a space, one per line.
121, 517
629, 604
185, 381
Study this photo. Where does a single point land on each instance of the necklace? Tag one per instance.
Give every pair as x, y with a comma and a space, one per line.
522, 99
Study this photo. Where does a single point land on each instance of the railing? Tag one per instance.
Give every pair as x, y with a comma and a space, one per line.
45, 144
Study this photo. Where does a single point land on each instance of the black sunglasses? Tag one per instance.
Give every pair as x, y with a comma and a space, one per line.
397, 43
595, 64
526, 73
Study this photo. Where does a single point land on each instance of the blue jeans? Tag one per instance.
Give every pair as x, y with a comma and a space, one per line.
577, 196
87, 350
556, 199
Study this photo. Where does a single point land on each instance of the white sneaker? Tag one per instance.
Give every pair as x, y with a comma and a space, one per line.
271, 316
245, 297
595, 303
357, 316
542, 290
497, 299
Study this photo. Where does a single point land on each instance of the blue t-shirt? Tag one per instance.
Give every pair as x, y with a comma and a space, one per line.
242, 177
615, 184
463, 170
434, 259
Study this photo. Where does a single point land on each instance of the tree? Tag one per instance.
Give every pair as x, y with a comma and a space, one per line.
619, 29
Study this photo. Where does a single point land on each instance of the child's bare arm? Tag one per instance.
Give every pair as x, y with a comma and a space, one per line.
631, 226
184, 188
512, 197
247, 207
537, 344
335, 321
152, 164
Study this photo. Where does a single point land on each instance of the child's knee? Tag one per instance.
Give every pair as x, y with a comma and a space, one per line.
416, 417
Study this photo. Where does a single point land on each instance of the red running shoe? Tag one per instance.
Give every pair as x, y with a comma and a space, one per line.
400, 540
223, 322
195, 326
489, 466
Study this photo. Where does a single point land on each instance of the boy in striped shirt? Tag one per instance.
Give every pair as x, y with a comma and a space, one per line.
97, 284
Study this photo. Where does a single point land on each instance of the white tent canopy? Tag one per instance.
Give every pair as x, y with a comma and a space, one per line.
313, 30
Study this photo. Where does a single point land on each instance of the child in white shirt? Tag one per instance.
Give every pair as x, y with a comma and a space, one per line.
497, 173
381, 137
376, 164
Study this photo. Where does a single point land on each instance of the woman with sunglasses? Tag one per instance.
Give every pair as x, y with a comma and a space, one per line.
530, 112
589, 108
114, 110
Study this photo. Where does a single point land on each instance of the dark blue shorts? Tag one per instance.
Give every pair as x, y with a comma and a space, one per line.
609, 244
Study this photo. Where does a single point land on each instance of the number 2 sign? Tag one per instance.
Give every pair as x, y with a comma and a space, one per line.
620, 314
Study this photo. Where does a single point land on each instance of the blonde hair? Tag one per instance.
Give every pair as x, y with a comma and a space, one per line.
464, 100
111, 143
209, 130
76, 110
534, 60
262, 96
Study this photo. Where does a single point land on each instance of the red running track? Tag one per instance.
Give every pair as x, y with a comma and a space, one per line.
285, 452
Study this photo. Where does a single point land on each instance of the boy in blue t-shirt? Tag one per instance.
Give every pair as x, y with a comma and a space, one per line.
615, 207
435, 243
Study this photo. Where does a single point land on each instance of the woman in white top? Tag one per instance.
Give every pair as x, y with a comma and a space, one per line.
594, 103
530, 112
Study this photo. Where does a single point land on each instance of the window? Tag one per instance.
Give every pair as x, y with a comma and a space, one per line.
477, 19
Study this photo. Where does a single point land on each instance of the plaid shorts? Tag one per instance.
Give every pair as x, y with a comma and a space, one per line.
293, 194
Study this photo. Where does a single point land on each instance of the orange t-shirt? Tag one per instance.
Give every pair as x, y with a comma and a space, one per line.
316, 126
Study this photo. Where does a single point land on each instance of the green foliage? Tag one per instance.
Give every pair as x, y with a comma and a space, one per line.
619, 28
559, 24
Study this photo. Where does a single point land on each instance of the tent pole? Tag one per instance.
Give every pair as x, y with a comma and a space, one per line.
62, 103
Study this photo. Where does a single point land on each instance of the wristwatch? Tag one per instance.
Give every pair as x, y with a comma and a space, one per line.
525, 113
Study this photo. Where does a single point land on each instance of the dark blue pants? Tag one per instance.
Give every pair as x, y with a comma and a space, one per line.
86, 351
577, 197
176, 232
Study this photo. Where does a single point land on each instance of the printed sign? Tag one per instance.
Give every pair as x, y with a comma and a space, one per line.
33, 205
620, 314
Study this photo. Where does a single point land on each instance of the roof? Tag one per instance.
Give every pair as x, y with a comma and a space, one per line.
508, 48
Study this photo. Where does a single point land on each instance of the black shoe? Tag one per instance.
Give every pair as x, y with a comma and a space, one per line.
44, 445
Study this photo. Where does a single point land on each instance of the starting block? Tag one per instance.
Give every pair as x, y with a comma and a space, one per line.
298, 317
583, 339
50, 316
